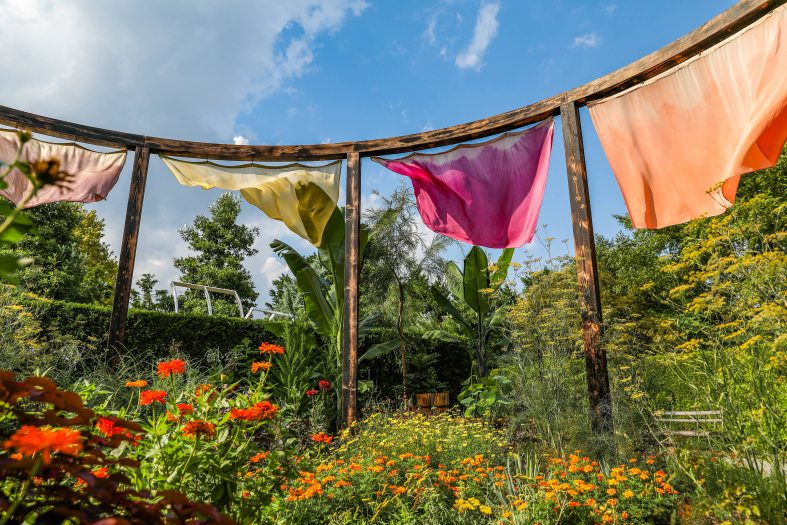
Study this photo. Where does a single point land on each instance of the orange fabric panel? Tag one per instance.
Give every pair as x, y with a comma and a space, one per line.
679, 142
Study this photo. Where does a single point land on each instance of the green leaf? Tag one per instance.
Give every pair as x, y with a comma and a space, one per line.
501, 268
380, 349
446, 305
365, 326
318, 309
476, 279
9, 265
442, 335
454, 279
21, 225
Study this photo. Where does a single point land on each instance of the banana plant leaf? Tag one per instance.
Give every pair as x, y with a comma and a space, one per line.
380, 349
448, 306
476, 280
501, 268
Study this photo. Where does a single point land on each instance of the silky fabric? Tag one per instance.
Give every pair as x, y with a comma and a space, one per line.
94, 174
302, 197
679, 143
489, 193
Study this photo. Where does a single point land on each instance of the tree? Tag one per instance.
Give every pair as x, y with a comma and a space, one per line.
480, 312
70, 260
146, 284
221, 245
400, 254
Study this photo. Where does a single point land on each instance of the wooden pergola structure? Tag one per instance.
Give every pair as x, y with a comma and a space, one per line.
565, 104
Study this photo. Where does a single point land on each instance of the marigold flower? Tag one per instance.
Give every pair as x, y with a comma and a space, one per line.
171, 367
268, 348
611, 492
198, 428
256, 366
30, 440
628, 494
324, 385
322, 437
312, 392
148, 397
261, 410
139, 383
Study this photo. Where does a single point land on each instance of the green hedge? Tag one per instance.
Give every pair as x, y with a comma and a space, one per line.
152, 332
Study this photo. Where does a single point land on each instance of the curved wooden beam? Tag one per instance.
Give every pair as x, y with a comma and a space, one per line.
731, 21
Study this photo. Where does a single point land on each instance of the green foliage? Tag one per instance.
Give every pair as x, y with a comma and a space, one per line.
151, 332
480, 283
221, 245
483, 396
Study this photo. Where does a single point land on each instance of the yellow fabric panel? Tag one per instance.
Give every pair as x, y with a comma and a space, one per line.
302, 197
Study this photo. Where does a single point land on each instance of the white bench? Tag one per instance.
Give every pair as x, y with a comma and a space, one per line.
700, 419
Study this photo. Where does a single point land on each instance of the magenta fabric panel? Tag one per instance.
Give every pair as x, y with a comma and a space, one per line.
488, 193
94, 174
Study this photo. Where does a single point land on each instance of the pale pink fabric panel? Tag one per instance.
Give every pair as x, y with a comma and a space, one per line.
94, 174
679, 143
487, 194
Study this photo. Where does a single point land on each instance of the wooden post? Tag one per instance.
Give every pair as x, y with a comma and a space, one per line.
587, 272
128, 251
352, 231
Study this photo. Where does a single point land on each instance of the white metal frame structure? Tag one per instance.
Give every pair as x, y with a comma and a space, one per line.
207, 289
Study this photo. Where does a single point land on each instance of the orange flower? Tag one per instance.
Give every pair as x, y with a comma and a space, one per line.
261, 410
139, 383
185, 408
30, 440
256, 366
101, 472
268, 348
322, 437
259, 456
148, 397
203, 388
171, 367
199, 428
108, 427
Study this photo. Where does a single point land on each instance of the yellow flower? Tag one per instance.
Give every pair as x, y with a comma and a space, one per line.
628, 494
485, 510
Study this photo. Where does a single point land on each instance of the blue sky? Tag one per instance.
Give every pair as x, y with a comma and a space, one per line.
307, 71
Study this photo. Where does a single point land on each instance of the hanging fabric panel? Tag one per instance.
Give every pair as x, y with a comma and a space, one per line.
94, 174
487, 193
679, 143
302, 197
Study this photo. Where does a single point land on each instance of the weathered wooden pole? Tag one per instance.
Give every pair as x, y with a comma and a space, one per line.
352, 251
587, 272
128, 252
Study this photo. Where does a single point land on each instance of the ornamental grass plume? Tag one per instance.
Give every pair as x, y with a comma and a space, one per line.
30, 440
171, 367
269, 348
148, 397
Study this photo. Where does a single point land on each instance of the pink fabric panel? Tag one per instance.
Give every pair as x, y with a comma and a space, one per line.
94, 174
487, 194
679, 143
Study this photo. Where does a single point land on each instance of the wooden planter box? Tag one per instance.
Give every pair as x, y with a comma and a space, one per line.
433, 402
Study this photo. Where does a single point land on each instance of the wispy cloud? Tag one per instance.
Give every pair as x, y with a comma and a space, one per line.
429, 33
610, 8
485, 31
587, 40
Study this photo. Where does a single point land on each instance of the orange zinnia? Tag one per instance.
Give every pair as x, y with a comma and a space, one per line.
256, 366
139, 383
261, 410
322, 437
171, 367
147, 397
30, 440
268, 348
199, 428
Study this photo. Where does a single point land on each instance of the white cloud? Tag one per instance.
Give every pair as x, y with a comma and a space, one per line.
588, 40
240, 140
185, 69
485, 30
610, 8
272, 268
429, 33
